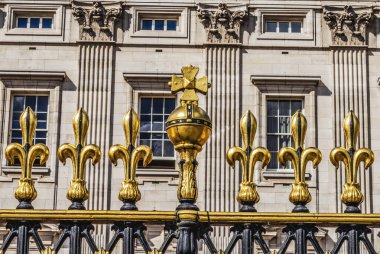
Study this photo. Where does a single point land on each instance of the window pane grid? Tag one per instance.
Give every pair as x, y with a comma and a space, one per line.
39, 105
34, 22
153, 114
283, 26
279, 113
159, 24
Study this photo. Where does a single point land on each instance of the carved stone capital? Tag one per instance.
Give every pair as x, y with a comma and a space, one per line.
96, 20
223, 24
348, 27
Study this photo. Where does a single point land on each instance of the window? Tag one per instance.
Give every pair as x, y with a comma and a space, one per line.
279, 113
153, 113
159, 24
34, 22
39, 105
282, 26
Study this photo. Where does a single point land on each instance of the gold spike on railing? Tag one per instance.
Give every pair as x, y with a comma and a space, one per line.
299, 157
26, 153
130, 155
79, 154
351, 158
248, 157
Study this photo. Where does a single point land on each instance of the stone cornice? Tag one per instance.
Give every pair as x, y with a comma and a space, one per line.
222, 24
348, 27
96, 19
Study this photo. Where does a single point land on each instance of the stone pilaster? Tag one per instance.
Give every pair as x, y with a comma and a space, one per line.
223, 60
95, 91
349, 40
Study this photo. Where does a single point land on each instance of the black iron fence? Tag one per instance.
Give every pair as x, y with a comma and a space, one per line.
188, 128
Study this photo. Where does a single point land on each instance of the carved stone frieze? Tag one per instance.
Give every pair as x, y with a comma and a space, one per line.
348, 27
222, 25
96, 20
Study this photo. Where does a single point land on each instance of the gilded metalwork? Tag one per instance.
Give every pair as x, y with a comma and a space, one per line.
47, 250
26, 153
101, 251
188, 128
130, 155
248, 157
79, 154
351, 158
299, 157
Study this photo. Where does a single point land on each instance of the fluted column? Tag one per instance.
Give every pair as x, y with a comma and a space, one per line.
350, 83
95, 92
222, 61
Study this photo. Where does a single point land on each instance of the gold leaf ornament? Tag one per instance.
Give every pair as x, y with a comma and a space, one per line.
26, 153
248, 157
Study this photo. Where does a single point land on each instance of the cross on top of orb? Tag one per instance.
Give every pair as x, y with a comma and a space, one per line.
189, 84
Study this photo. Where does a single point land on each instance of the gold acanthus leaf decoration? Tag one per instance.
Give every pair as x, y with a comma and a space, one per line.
79, 154
351, 158
299, 157
130, 155
248, 157
27, 153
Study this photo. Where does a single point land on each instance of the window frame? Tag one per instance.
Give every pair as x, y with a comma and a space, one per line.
32, 17
154, 21
278, 26
157, 158
289, 167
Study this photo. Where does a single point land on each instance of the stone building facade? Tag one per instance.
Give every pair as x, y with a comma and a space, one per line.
270, 57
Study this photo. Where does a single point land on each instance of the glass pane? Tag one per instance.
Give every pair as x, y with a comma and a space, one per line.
272, 143
146, 24
272, 125
284, 107
144, 135
283, 27
145, 105
296, 105
40, 134
41, 125
145, 123
296, 27
157, 148
30, 101
42, 104
168, 149
158, 105
273, 164
171, 25
34, 22
16, 134
42, 141
284, 141
16, 116
284, 123
169, 105
271, 26
18, 103
272, 107
159, 24
158, 118
41, 116
157, 136
16, 140
145, 142
157, 126
16, 124
22, 22
47, 22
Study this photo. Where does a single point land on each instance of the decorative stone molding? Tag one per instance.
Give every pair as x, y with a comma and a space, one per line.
348, 27
95, 20
222, 25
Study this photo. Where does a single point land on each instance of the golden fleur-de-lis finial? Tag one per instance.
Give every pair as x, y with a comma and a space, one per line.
130, 155
351, 158
26, 153
79, 154
248, 157
189, 84
299, 157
